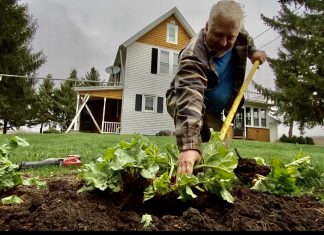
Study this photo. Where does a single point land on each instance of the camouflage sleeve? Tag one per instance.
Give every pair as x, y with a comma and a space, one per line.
251, 47
190, 83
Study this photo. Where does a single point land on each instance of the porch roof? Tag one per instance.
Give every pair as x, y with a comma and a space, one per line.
113, 92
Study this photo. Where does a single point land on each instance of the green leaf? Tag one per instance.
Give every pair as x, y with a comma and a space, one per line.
150, 171
11, 200
146, 219
20, 141
34, 181
122, 159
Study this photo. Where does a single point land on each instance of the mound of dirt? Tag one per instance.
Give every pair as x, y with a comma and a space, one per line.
60, 208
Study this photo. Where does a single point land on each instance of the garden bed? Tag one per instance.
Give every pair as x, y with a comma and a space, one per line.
59, 208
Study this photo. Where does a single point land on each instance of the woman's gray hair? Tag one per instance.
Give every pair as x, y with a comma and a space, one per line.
227, 9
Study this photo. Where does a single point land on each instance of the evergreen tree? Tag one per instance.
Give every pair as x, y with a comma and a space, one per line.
65, 101
299, 81
44, 106
93, 75
17, 29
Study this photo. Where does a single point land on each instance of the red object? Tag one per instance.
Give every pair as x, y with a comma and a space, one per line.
72, 160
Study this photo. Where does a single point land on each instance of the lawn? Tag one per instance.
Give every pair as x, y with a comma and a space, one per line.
90, 146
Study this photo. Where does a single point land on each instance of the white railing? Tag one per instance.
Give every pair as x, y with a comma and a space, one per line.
252, 95
111, 127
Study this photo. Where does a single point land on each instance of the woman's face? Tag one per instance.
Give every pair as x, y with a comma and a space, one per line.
221, 35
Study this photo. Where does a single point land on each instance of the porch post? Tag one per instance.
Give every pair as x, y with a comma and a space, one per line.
103, 115
77, 123
244, 120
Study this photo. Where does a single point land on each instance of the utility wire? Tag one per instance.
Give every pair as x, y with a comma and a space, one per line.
262, 33
270, 42
269, 29
61, 79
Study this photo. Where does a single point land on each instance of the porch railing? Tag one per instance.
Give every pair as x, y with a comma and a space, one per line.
252, 95
111, 127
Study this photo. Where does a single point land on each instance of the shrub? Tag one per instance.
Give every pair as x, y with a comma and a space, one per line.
51, 130
296, 140
309, 140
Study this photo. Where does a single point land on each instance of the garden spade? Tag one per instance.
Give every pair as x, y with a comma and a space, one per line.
237, 101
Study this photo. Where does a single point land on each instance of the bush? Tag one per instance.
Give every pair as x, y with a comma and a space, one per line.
296, 140
51, 130
309, 140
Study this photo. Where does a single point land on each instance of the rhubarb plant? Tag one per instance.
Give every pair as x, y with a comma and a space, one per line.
9, 175
141, 159
293, 179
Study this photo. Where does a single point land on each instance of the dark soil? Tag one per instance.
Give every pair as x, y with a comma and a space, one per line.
59, 208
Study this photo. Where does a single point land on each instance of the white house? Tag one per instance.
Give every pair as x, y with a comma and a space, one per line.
134, 99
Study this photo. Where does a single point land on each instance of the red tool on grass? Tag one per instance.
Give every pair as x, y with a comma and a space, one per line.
70, 160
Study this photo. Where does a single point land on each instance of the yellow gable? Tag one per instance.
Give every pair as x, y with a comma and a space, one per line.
158, 35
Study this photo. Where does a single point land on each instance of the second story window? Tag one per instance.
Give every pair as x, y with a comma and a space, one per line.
172, 33
175, 63
164, 62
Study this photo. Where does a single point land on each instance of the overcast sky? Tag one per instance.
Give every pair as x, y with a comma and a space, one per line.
80, 34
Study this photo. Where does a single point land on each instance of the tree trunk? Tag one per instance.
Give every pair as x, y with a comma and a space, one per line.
290, 131
5, 123
41, 129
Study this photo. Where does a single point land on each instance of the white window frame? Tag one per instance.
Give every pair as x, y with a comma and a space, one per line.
252, 109
248, 115
257, 112
265, 117
144, 103
175, 65
159, 61
170, 26
171, 64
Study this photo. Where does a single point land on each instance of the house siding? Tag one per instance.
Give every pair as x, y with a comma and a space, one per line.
139, 80
158, 35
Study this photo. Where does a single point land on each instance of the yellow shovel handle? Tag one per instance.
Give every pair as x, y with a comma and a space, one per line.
237, 101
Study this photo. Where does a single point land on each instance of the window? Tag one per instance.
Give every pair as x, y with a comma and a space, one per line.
175, 64
248, 116
255, 117
172, 33
239, 120
259, 117
164, 62
263, 117
150, 103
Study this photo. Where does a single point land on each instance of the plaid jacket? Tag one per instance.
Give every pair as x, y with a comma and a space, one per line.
196, 73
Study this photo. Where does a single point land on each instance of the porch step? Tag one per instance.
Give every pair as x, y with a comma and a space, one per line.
237, 137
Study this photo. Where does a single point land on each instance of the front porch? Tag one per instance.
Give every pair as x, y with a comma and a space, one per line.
98, 110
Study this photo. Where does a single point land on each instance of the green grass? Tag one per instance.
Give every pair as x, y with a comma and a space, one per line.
90, 146
284, 151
